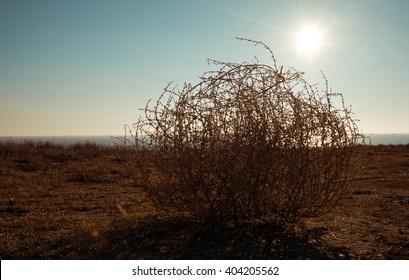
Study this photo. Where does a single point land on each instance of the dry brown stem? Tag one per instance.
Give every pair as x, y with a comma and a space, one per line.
249, 141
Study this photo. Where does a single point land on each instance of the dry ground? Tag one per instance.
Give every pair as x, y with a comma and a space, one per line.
79, 202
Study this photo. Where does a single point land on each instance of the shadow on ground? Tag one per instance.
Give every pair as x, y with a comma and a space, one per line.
182, 239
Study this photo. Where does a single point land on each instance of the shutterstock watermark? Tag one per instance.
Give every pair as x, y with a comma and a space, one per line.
187, 271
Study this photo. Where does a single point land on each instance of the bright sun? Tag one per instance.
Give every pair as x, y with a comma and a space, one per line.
309, 40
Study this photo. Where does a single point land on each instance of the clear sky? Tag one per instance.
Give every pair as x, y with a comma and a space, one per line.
84, 67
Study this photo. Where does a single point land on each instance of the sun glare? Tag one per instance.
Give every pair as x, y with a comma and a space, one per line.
309, 40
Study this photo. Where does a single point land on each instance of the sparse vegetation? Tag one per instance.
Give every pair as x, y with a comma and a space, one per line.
249, 142
44, 214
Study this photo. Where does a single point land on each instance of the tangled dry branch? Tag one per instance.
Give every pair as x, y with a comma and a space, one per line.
250, 141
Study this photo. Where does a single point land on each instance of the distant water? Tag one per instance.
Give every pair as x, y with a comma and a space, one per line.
375, 139
387, 139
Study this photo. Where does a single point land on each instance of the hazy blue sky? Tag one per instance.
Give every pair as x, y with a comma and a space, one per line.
85, 67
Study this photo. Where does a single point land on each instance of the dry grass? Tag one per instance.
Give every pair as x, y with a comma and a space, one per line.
45, 214
52, 191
